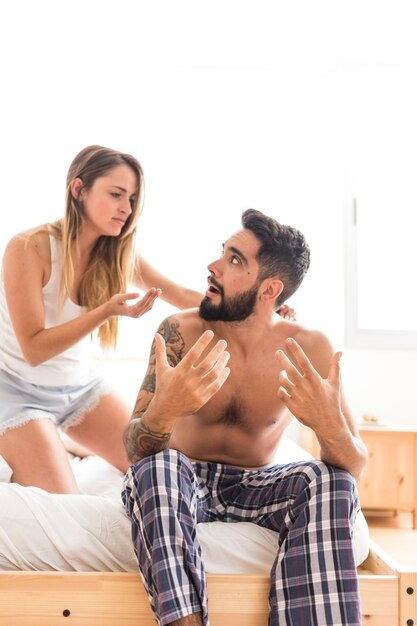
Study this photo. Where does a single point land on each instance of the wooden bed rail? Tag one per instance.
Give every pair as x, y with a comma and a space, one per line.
388, 597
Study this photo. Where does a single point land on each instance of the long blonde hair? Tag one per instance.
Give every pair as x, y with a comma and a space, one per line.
112, 259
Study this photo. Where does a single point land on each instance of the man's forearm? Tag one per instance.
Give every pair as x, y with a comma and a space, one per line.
345, 451
183, 389
141, 441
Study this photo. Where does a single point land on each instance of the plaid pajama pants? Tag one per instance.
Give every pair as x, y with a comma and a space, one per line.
312, 505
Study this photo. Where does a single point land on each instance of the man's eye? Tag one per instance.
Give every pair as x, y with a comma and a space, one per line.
234, 260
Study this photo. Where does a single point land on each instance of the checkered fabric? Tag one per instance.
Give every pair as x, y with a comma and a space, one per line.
312, 505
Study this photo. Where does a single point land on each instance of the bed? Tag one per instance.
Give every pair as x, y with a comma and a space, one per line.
69, 559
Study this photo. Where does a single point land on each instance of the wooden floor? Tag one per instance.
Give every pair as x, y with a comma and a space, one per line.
395, 535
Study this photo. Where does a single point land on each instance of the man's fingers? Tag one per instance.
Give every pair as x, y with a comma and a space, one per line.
219, 364
283, 395
222, 375
285, 382
303, 363
195, 352
334, 369
286, 365
213, 356
160, 352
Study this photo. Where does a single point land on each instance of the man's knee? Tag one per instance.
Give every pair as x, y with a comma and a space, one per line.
336, 478
167, 469
165, 460
332, 484
316, 478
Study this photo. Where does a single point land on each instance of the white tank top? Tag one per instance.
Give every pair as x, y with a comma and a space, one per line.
73, 366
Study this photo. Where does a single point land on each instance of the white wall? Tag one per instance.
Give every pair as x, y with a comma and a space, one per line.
228, 105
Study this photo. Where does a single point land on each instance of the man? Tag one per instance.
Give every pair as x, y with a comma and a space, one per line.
207, 423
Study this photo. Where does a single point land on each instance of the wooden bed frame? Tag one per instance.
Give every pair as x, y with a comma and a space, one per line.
388, 596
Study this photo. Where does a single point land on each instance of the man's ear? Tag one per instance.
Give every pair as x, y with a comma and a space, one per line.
76, 187
271, 289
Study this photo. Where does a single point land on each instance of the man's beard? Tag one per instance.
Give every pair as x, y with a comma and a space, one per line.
235, 309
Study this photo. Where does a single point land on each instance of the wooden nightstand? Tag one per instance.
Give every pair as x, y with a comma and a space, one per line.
390, 478
389, 482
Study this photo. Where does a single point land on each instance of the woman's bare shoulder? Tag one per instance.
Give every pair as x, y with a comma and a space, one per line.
33, 243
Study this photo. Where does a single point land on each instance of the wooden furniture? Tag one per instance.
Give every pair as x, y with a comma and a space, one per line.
390, 478
388, 597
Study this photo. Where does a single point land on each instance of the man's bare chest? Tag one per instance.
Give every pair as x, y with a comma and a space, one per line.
248, 400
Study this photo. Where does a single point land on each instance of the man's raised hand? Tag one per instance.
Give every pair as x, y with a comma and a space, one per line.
313, 400
184, 389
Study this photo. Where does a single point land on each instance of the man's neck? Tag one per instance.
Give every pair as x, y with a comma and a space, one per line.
246, 335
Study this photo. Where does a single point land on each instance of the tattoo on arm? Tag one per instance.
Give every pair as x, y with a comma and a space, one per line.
174, 341
140, 441
147, 389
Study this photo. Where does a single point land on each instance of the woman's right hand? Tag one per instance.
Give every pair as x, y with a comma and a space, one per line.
287, 313
118, 305
25, 265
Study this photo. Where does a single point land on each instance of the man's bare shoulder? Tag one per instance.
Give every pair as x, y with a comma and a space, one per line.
310, 338
180, 331
316, 345
187, 321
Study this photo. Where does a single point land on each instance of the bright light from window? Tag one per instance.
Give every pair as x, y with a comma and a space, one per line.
212, 143
383, 159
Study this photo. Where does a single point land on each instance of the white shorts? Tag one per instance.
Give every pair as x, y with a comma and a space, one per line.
22, 402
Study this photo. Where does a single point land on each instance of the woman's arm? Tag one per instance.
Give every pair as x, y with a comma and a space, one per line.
147, 276
25, 265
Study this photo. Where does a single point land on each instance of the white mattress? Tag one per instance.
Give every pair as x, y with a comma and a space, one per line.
90, 532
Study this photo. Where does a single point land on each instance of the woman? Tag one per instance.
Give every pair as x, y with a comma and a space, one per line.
61, 282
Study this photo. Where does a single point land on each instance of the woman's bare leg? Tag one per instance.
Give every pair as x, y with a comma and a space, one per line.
74, 448
101, 430
37, 457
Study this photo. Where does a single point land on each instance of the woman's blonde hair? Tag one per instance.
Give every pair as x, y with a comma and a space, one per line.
112, 259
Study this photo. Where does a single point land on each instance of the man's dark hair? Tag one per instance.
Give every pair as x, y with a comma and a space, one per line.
284, 251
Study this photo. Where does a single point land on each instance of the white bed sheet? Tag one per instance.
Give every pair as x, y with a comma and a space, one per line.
90, 532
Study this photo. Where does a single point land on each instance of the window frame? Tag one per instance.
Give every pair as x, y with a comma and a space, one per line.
355, 336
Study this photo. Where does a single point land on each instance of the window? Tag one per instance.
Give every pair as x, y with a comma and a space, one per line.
381, 210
